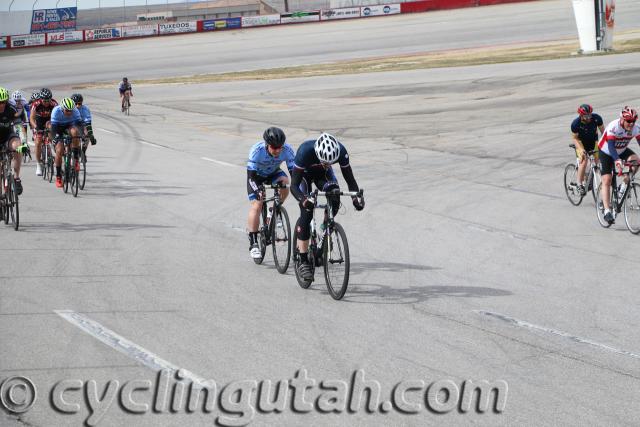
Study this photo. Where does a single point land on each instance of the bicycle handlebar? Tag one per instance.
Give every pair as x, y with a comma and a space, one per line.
358, 193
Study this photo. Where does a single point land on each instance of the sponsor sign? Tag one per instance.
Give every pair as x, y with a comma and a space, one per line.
343, 13
64, 37
288, 18
383, 9
102, 34
140, 30
221, 24
28, 40
45, 20
256, 21
3, 42
179, 27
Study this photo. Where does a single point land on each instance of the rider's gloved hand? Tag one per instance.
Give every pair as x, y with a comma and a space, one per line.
22, 148
93, 139
260, 193
307, 203
619, 166
358, 202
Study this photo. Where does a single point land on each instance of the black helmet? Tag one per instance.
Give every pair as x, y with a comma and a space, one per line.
274, 137
124, 79
45, 93
77, 98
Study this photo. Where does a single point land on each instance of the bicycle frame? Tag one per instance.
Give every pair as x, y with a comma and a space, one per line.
268, 228
629, 169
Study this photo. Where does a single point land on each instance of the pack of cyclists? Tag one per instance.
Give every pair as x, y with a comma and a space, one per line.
43, 114
612, 145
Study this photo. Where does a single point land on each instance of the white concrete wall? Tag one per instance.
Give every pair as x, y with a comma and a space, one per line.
18, 22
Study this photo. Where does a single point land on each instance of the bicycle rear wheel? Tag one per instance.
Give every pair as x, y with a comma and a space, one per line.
600, 207
75, 179
632, 209
571, 184
262, 244
596, 179
66, 172
335, 251
304, 284
281, 240
83, 169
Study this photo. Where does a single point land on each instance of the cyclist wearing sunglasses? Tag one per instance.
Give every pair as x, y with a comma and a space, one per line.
86, 129
263, 166
65, 119
585, 135
614, 150
8, 137
313, 166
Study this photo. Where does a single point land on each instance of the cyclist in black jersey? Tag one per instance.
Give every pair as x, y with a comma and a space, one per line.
312, 165
8, 138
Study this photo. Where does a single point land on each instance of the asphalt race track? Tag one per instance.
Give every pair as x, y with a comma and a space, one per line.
468, 262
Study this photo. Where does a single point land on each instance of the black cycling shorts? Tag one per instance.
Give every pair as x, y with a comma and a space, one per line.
607, 164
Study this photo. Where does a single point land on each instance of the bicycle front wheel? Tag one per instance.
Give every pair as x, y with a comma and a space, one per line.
262, 243
571, 184
281, 240
75, 180
600, 207
335, 250
632, 209
13, 205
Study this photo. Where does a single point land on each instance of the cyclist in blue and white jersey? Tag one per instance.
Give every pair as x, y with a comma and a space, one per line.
124, 87
263, 166
21, 105
65, 118
85, 113
313, 166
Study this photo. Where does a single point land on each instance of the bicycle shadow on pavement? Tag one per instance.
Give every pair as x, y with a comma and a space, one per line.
394, 267
65, 227
361, 293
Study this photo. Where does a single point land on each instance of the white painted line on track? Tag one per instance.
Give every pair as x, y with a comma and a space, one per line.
123, 345
527, 325
150, 144
107, 131
220, 162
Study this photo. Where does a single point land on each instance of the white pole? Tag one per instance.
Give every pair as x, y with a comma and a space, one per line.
585, 14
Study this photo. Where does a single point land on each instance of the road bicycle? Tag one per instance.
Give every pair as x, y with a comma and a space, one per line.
622, 197
593, 178
9, 205
126, 104
275, 230
47, 156
70, 168
328, 246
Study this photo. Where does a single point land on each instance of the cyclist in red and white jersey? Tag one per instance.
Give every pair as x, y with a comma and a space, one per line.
614, 150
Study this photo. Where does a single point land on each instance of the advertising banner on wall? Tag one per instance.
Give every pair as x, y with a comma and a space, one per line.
382, 9
256, 21
45, 20
221, 24
3, 42
343, 13
102, 34
60, 37
290, 18
28, 40
140, 30
179, 27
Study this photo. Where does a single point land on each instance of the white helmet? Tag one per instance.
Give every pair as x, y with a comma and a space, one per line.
17, 96
327, 148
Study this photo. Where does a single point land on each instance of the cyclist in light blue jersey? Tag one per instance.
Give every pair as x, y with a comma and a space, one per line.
263, 166
86, 128
65, 118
